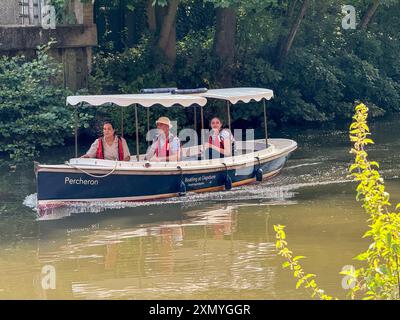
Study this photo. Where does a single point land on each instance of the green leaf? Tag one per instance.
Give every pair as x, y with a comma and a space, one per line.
299, 283
298, 258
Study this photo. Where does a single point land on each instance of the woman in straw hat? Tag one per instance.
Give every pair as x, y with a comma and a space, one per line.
165, 146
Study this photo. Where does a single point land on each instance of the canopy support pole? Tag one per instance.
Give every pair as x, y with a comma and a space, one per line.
148, 123
195, 118
265, 124
76, 130
137, 133
229, 114
122, 122
202, 117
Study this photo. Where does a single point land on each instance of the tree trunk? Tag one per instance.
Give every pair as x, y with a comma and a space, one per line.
224, 43
151, 16
366, 19
290, 10
287, 44
161, 22
167, 35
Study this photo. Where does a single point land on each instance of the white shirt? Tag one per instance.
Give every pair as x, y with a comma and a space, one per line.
223, 135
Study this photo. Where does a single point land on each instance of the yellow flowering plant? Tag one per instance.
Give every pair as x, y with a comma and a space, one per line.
379, 277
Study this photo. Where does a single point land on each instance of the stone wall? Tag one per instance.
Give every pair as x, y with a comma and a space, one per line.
74, 42
9, 12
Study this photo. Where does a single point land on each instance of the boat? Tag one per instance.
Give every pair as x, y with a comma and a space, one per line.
82, 180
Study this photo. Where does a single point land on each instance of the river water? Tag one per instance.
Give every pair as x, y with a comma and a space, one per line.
208, 246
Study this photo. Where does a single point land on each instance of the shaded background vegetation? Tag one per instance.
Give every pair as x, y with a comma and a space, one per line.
298, 48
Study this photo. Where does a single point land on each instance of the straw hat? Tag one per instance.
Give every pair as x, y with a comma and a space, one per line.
164, 120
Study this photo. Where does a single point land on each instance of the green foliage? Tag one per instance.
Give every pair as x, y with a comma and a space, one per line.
64, 16
128, 72
379, 277
253, 4
33, 115
327, 69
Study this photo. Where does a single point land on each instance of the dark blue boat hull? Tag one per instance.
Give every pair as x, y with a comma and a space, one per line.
77, 186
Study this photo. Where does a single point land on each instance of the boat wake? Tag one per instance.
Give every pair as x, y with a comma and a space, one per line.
303, 165
260, 193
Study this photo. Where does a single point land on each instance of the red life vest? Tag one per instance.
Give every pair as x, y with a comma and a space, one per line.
164, 152
218, 142
100, 149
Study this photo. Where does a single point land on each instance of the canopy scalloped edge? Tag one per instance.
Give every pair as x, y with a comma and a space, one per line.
145, 100
235, 95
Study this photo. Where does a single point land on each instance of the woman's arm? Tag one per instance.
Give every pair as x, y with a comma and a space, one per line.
228, 140
175, 151
227, 151
91, 153
151, 152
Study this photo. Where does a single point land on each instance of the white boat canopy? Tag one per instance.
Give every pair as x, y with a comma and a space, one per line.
145, 100
235, 95
230, 95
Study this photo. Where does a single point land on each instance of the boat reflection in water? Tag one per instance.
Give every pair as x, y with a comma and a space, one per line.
207, 252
